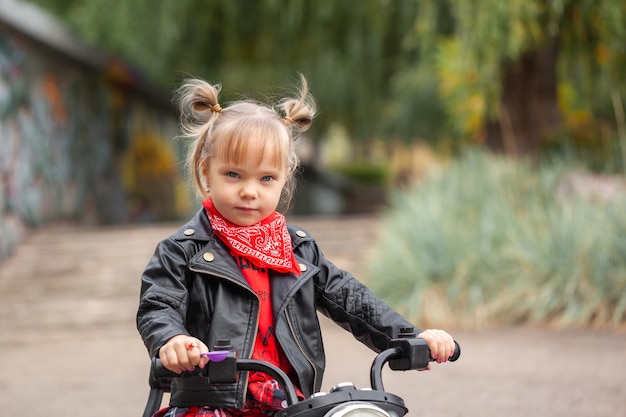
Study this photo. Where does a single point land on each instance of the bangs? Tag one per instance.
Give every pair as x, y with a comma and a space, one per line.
258, 139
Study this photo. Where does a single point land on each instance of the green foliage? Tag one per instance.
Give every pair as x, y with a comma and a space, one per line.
415, 110
396, 70
493, 241
347, 52
486, 35
365, 173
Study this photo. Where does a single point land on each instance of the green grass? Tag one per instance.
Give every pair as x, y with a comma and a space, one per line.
490, 241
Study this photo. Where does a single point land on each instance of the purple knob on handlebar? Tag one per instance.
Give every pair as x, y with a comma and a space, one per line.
216, 355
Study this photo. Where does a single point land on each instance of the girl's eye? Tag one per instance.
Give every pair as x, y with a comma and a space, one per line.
232, 174
267, 178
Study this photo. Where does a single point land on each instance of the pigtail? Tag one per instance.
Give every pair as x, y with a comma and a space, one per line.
199, 107
299, 112
198, 102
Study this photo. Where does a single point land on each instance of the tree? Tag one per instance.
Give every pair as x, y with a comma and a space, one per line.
488, 70
504, 61
348, 51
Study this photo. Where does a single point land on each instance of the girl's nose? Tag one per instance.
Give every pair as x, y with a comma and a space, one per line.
248, 191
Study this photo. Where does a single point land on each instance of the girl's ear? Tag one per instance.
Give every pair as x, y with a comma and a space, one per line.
205, 175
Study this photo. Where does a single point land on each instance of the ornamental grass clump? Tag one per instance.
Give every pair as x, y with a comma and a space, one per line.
490, 241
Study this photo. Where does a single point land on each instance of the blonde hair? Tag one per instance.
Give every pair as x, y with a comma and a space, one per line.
241, 130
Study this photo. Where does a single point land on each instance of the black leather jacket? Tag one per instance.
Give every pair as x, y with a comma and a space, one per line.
193, 286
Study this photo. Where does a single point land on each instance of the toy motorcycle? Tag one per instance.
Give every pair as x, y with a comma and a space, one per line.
402, 354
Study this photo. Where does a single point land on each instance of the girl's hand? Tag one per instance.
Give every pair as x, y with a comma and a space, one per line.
182, 353
440, 343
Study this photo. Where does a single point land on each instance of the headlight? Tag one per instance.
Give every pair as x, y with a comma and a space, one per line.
357, 409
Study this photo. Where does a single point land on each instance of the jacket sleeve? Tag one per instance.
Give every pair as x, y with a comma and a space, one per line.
163, 298
353, 306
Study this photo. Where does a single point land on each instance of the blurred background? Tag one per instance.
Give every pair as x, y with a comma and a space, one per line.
468, 163
488, 137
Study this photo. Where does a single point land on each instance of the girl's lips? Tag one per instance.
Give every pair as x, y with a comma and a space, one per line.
245, 209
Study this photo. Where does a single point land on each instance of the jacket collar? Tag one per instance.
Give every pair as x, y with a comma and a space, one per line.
197, 228
213, 257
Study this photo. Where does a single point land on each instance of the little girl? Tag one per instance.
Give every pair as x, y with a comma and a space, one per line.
237, 271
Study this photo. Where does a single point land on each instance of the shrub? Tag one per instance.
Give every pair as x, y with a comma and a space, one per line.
365, 173
489, 240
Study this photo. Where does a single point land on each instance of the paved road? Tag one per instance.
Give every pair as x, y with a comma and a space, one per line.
67, 339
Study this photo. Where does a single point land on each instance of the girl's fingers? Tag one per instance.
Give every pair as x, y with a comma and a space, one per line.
195, 348
202, 348
440, 343
182, 353
186, 350
169, 359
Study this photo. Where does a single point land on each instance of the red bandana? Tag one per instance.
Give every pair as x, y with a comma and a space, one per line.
267, 243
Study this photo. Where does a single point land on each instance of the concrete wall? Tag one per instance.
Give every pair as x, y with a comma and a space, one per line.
81, 141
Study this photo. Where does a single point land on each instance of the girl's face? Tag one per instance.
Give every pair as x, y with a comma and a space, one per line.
245, 193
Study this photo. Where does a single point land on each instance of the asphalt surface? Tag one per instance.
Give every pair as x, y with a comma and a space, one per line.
68, 298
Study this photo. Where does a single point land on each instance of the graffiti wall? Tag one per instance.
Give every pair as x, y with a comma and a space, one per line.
77, 146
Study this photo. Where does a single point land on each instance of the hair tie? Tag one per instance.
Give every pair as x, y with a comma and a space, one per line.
288, 121
216, 108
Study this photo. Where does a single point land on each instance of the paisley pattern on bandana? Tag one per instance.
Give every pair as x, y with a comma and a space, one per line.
266, 243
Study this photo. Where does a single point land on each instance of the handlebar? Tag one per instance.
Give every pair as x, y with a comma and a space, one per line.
223, 366
404, 353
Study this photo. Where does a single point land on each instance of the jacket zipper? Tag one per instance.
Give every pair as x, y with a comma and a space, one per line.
293, 334
256, 327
